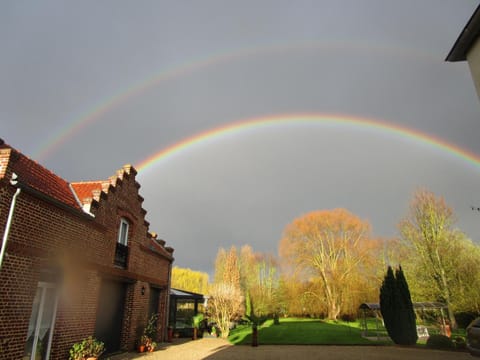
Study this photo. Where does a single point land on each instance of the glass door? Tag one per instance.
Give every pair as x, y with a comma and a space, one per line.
42, 321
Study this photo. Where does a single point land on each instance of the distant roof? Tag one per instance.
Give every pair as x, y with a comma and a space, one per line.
84, 190
467, 38
416, 305
182, 294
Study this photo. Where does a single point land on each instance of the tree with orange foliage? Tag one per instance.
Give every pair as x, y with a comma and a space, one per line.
333, 247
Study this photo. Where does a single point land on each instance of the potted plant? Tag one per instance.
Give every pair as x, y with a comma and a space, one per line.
197, 326
151, 328
149, 333
87, 349
151, 346
144, 341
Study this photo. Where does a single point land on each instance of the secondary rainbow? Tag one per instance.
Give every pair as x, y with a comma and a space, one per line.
341, 121
96, 111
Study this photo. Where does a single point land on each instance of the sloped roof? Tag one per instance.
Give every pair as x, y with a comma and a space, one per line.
466, 39
77, 196
86, 189
37, 177
182, 294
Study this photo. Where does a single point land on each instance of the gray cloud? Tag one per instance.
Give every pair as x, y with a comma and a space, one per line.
368, 59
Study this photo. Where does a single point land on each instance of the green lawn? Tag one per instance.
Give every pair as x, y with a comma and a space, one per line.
299, 331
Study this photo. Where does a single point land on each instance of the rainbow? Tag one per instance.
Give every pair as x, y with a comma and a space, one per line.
94, 113
335, 120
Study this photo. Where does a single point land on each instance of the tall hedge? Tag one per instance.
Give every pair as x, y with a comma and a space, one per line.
407, 314
388, 302
397, 308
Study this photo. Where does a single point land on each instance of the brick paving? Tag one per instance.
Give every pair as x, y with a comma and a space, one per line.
218, 349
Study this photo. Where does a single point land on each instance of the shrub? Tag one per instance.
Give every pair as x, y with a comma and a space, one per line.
151, 327
348, 317
89, 347
459, 343
464, 319
438, 341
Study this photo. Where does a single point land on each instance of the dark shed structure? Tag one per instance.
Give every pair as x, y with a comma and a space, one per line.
183, 306
417, 306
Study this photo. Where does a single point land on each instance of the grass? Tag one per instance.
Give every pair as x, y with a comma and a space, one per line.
299, 331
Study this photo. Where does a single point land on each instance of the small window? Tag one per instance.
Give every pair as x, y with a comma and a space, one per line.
123, 232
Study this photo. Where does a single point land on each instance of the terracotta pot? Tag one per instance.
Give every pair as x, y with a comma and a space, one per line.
92, 358
141, 348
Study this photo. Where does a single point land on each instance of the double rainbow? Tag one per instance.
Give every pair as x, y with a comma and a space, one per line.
94, 113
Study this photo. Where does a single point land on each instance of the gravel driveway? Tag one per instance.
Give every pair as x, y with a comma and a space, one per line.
218, 349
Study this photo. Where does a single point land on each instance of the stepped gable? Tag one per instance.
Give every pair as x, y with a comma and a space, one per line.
90, 192
78, 195
35, 176
158, 245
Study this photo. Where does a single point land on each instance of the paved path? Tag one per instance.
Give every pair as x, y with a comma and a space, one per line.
218, 349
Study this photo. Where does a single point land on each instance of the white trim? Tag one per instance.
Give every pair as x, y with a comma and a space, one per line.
44, 286
38, 323
123, 241
85, 207
52, 326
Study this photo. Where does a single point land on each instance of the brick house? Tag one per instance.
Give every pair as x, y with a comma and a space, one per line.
77, 259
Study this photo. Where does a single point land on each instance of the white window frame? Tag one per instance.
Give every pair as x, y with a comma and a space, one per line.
123, 232
38, 321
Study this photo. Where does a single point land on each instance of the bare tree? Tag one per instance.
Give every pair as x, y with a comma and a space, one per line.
332, 246
225, 305
428, 230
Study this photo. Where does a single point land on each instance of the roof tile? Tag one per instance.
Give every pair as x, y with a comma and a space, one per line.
38, 177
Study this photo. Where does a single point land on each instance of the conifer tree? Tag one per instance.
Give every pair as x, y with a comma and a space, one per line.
388, 302
397, 308
408, 327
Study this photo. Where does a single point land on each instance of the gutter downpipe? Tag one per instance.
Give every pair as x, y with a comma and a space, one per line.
14, 182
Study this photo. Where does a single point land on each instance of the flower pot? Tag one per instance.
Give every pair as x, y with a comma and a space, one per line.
141, 348
92, 358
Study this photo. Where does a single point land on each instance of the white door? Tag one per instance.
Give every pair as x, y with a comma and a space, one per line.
42, 321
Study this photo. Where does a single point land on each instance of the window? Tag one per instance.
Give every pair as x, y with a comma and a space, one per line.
123, 232
42, 322
121, 250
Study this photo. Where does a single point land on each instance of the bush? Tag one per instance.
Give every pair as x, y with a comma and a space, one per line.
89, 347
438, 341
151, 327
459, 343
464, 319
348, 317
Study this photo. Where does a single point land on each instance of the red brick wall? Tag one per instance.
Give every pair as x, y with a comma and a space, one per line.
44, 235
